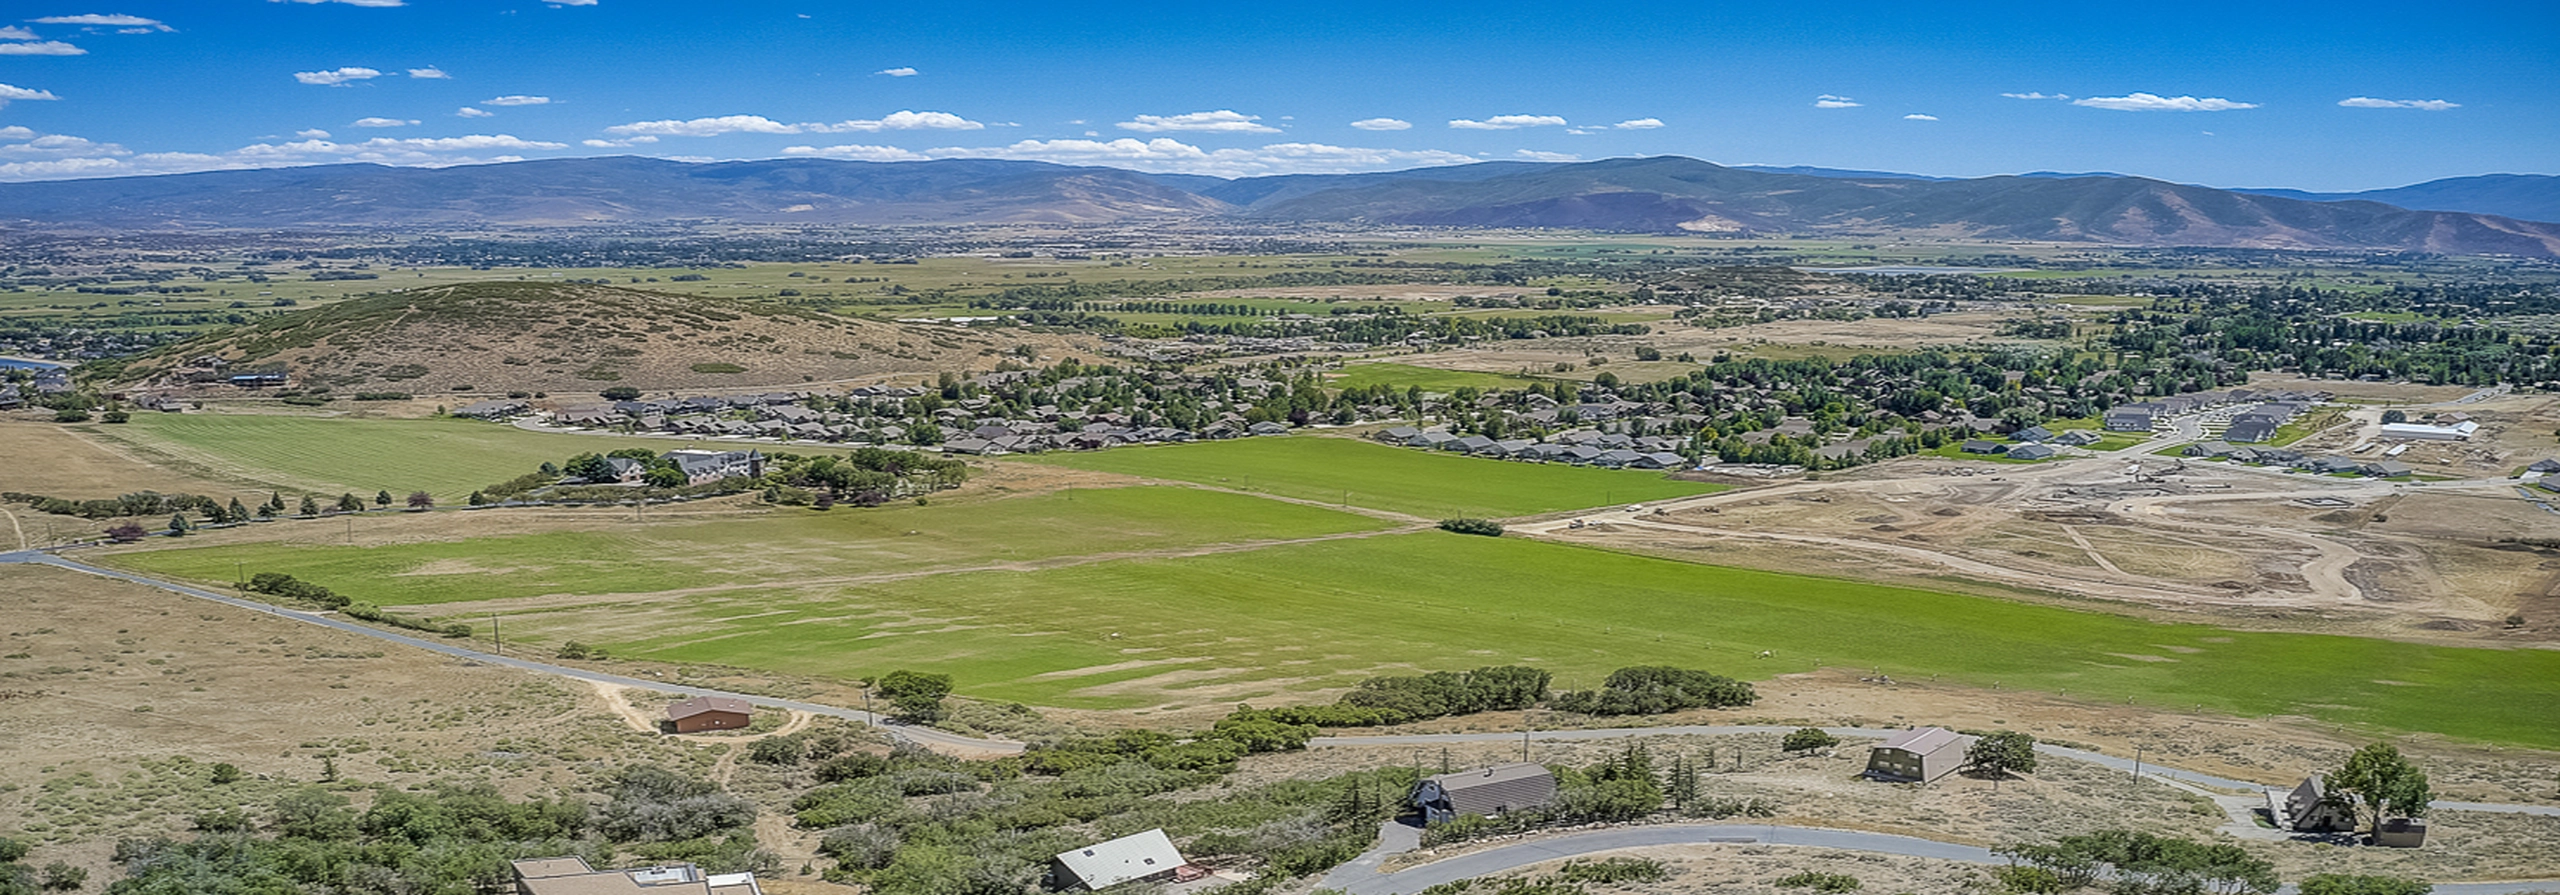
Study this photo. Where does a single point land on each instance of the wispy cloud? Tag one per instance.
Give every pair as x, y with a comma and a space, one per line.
12, 92
1161, 154
41, 48
570, 2
25, 155
2367, 102
2145, 102
516, 99
1827, 101
1222, 121
469, 112
110, 20
378, 4
1382, 124
857, 152
2061, 96
13, 32
312, 134
899, 121
338, 77
1542, 156
903, 71
1507, 122
626, 141
1915, 116
431, 72
385, 122
1638, 124
704, 127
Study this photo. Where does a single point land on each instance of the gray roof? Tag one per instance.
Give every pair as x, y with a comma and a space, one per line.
1923, 740
1137, 856
701, 704
1489, 791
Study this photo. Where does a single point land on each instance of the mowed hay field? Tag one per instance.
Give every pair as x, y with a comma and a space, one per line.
1428, 484
448, 458
1429, 379
790, 546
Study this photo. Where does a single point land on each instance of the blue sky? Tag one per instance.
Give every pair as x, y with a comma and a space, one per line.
2326, 96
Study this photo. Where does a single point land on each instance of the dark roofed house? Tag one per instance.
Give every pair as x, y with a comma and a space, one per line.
2308, 809
1486, 792
2031, 433
1980, 446
2250, 432
711, 713
2130, 418
2033, 452
1267, 429
1918, 755
2546, 466
2077, 437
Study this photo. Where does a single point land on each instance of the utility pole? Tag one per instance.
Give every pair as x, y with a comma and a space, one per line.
494, 636
2137, 762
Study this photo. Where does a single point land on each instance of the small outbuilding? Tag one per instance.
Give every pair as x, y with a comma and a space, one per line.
711, 713
1919, 755
1147, 855
2033, 452
2309, 809
1499, 789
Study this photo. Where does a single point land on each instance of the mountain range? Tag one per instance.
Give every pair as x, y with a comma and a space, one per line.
1660, 194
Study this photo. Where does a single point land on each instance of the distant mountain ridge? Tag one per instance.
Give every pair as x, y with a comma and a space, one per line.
2529, 197
1659, 194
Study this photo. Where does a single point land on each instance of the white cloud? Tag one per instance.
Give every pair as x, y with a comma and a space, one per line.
516, 99
613, 144
377, 4
1827, 101
2145, 102
1540, 156
705, 127
385, 122
13, 32
899, 121
1507, 122
61, 146
1382, 124
902, 71
9, 92
17, 132
2367, 102
469, 112
117, 20
1915, 116
570, 2
1222, 121
41, 48
429, 72
2037, 95
312, 134
855, 152
1167, 155
1638, 124
336, 77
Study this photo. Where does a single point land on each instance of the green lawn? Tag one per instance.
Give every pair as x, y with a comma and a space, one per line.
1258, 625
1423, 483
1428, 378
448, 458
786, 546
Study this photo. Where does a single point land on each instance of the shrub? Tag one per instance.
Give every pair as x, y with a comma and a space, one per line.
1485, 527
2360, 884
1820, 882
1807, 739
1656, 689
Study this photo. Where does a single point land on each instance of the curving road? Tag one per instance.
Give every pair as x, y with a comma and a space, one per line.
921, 736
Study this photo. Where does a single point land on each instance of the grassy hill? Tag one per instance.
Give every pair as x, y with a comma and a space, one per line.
485, 337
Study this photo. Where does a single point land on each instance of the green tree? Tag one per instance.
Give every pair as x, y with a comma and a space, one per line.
1807, 739
477, 499
347, 503
310, 507
62, 877
225, 773
236, 512
591, 467
178, 525
382, 498
621, 393
2003, 753
2384, 782
914, 697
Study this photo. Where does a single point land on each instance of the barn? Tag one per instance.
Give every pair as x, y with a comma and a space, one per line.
1147, 855
1918, 755
710, 713
1486, 791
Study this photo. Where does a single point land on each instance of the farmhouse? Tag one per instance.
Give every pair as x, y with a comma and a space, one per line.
1918, 755
710, 713
1147, 855
571, 876
2308, 809
1489, 791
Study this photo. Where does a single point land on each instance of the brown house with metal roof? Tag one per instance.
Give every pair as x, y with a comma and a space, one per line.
1918, 755
1499, 789
711, 713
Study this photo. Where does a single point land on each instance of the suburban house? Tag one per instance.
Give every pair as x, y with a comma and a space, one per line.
2032, 433
710, 713
2461, 431
1918, 755
10, 398
2131, 418
2308, 809
2033, 452
2077, 437
572, 876
1148, 855
1981, 446
701, 466
1487, 792
494, 410
2250, 432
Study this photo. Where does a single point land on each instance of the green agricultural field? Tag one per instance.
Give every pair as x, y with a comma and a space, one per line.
1428, 378
794, 546
1267, 624
448, 458
1404, 480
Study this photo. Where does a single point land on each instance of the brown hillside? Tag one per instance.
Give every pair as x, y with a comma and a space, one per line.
506, 336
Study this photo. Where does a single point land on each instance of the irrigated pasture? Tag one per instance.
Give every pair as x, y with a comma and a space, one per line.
1404, 480
448, 458
787, 546
1429, 379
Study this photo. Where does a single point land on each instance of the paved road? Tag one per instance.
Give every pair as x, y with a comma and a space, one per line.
1359, 879
922, 736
